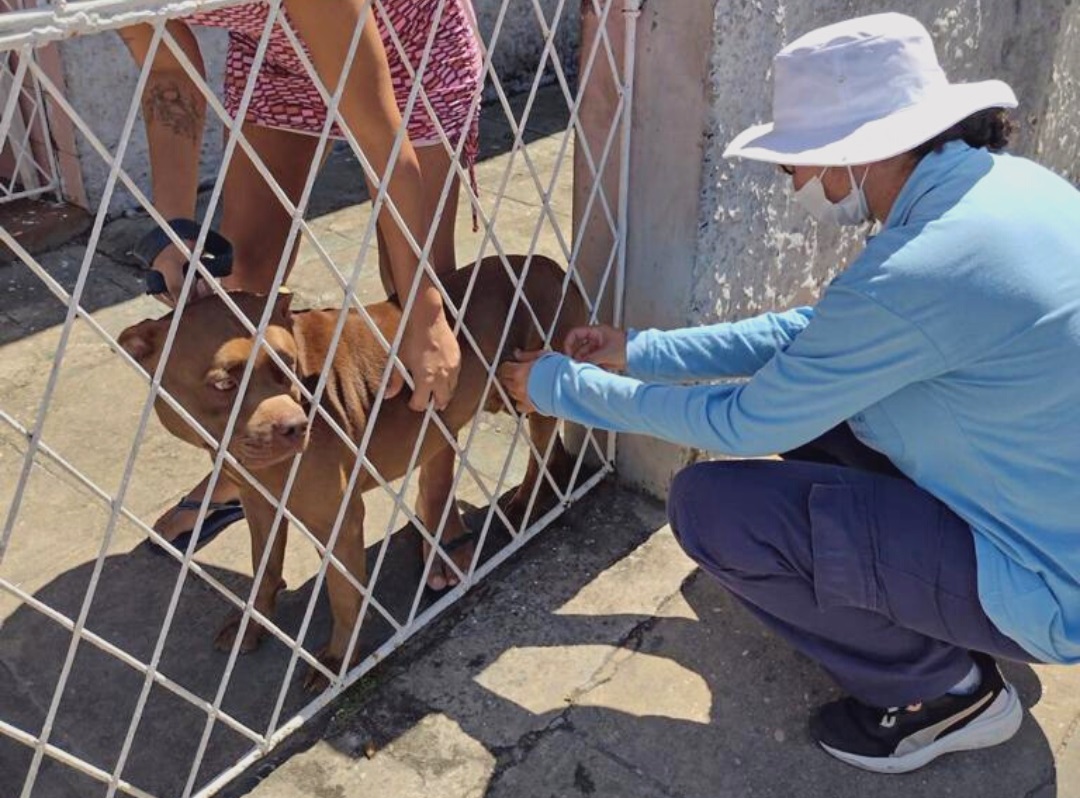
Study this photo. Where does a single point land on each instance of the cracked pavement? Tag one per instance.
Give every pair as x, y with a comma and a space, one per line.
600, 662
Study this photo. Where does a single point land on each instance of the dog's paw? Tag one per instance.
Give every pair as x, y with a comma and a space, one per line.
315, 681
517, 505
226, 636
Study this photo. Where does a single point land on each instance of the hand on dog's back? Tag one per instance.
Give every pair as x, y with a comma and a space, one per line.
433, 357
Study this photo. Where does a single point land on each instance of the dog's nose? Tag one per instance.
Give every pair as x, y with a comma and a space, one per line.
292, 428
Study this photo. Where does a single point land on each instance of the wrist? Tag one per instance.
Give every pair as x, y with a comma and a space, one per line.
427, 308
172, 255
636, 350
540, 384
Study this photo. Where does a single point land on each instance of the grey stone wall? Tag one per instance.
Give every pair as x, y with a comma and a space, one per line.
751, 250
517, 50
757, 251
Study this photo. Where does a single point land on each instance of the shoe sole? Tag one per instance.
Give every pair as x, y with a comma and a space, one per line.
998, 723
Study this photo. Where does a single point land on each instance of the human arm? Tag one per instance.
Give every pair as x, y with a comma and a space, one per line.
853, 354
174, 111
429, 349
732, 349
728, 349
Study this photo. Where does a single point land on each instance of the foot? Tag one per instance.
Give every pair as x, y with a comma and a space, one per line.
226, 636
254, 631
898, 740
178, 519
457, 542
315, 681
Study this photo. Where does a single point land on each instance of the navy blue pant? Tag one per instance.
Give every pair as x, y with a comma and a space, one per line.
852, 563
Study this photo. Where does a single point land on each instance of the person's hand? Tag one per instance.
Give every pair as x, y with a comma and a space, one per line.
171, 263
432, 356
514, 376
600, 344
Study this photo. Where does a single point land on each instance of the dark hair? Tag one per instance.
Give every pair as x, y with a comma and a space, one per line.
990, 128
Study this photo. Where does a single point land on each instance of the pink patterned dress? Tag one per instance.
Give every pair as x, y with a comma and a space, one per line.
285, 96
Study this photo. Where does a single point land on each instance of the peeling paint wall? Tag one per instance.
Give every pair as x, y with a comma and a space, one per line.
759, 251
1057, 144
101, 78
752, 249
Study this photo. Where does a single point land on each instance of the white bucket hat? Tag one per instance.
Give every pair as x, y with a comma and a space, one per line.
861, 91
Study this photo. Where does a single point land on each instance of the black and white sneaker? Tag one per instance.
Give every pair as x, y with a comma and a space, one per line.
899, 739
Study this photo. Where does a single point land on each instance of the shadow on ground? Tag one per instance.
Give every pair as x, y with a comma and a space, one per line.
708, 703
698, 702
129, 608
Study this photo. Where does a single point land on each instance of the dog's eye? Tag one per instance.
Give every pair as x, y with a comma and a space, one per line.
282, 377
225, 383
288, 360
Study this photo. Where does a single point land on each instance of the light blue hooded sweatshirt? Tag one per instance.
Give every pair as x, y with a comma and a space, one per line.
951, 345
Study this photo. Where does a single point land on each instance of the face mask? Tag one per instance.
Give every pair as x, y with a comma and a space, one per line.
851, 210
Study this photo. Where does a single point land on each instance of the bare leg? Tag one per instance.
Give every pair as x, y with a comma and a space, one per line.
437, 474
260, 517
253, 218
257, 224
345, 599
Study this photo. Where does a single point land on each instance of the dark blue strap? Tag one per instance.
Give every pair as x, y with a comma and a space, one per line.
217, 254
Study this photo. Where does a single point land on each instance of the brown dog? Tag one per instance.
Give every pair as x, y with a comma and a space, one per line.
208, 358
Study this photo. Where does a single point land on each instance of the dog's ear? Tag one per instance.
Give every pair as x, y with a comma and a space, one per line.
143, 340
283, 303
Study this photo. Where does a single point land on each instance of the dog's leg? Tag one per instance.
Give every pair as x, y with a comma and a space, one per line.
433, 499
559, 464
345, 600
260, 517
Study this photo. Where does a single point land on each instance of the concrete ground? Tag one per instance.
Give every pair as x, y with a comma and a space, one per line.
595, 662
601, 662
60, 524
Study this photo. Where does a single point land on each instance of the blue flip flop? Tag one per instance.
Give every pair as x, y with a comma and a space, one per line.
218, 516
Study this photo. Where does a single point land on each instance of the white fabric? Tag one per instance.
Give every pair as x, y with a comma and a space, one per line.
860, 91
852, 210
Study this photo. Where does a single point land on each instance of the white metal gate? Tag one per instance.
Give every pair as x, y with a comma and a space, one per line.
49, 743
30, 168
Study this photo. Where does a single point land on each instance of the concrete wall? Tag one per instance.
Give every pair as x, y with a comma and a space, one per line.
100, 81
757, 250
712, 239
